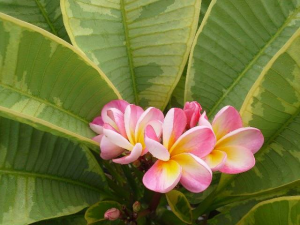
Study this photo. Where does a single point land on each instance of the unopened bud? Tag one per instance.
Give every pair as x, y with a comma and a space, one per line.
136, 206
192, 111
112, 214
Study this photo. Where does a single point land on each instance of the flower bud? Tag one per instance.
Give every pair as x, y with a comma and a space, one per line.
192, 112
136, 206
112, 214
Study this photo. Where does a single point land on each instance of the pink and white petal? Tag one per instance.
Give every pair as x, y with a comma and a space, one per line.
115, 104
174, 125
131, 117
149, 115
157, 149
157, 126
134, 155
199, 141
150, 133
196, 175
215, 160
116, 138
203, 121
109, 150
238, 160
226, 120
97, 124
117, 121
163, 176
246, 137
98, 138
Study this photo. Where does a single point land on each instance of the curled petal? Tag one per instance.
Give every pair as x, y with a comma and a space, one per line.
97, 124
115, 104
203, 121
131, 117
98, 138
199, 141
226, 120
196, 175
174, 125
109, 150
162, 176
134, 155
157, 127
151, 114
246, 137
238, 160
215, 160
116, 138
150, 133
156, 149
117, 121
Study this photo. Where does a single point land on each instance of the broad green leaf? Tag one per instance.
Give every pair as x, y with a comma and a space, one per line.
45, 14
47, 83
142, 46
273, 106
277, 211
180, 206
233, 44
76, 219
95, 213
44, 176
203, 9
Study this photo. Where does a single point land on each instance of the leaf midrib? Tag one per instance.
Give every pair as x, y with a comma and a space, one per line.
49, 177
128, 46
257, 56
46, 17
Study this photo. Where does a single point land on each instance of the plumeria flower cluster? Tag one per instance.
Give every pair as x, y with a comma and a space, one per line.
186, 147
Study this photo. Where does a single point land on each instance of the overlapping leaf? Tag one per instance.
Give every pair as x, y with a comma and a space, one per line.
47, 83
44, 176
234, 43
45, 14
273, 105
142, 46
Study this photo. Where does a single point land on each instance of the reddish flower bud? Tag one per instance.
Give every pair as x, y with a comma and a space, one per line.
112, 214
136, 206
192, 112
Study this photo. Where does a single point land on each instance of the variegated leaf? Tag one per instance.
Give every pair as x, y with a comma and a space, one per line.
142, 46
44, 176
233, 44
47, 83
45, 14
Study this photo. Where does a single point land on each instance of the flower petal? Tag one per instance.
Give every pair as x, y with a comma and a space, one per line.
192, 111
151, 114
150, 133
117, 121
196, 175
226, 120
246, 137
157, 127
134, 155
98, 138
131, 117
116, 138
174, 125
215, 160
199, 141
162, 176
108, 149
238, 160
156, 148
203, 121
97, 124
115, 104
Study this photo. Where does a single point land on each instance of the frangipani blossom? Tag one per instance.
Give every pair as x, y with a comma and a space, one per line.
179, 155
236, 145
123, 129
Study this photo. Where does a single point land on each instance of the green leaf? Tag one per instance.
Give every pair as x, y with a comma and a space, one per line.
76, 219
142, 46
180, 206
45, 14
233, 44
96, 212
273, 106
47, 83
284, 210
203, 9
44, 176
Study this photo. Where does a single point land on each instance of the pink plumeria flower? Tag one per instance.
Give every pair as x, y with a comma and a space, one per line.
236, 145
179, 155
123, 130
192, 111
